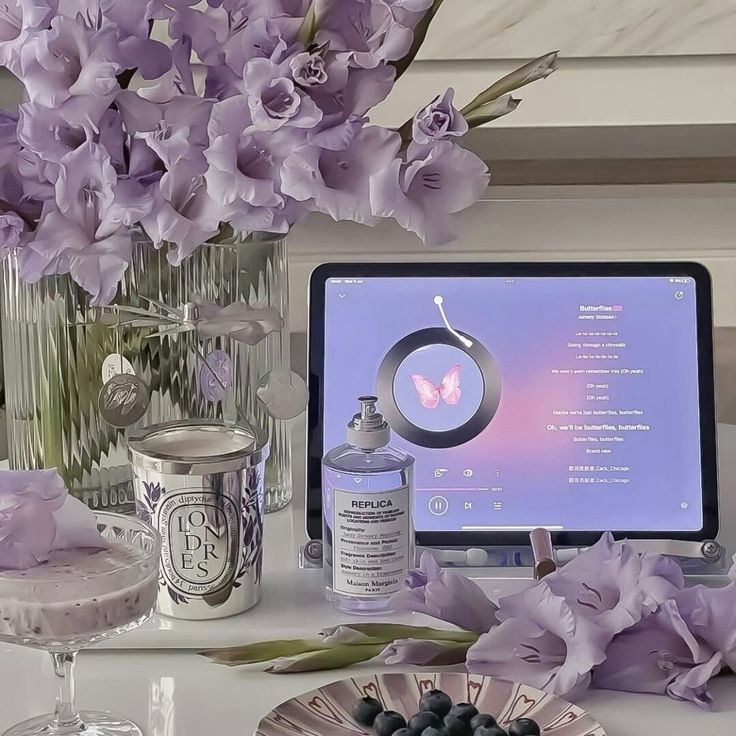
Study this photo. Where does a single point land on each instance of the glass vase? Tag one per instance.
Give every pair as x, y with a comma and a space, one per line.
55, 344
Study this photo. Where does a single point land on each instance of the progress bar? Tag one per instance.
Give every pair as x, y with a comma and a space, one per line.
511, 528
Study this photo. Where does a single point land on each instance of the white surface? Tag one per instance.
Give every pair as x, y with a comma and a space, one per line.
177, 693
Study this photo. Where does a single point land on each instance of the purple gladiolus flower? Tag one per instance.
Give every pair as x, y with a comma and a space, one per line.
96, 261
116, 131
274, 100
73, 66
439, 120
710, 614
83, 237
367, 29
661, 655
175, 131
544, 643
28, 501
446, 595
37, 515
18, 18
13, 230
338, 182
183, 214
611, 584
45, 132
244, 164
423, 190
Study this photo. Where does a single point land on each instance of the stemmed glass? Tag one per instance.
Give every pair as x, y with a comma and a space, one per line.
78, 598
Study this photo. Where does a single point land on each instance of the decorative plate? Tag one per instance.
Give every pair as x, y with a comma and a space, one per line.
326, 711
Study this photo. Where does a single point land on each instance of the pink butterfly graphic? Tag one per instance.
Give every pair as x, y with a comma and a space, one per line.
449, 389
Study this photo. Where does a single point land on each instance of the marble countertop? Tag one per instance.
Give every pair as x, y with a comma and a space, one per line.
175, 692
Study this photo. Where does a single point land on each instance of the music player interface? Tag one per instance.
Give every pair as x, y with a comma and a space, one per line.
569, 403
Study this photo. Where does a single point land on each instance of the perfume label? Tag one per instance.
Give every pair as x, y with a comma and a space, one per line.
200, 531
370, 542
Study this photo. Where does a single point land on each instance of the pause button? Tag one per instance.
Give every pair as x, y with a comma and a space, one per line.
438, 505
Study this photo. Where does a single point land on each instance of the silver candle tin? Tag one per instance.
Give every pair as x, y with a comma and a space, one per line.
200, 483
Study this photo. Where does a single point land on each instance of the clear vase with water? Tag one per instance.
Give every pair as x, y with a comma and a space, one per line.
55, 344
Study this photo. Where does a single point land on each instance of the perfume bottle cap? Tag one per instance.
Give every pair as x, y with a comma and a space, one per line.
368, 430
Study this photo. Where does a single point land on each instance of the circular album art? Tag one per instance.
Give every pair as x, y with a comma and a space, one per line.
439, 389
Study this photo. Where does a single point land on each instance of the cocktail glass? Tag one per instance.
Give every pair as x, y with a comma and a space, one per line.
78, 598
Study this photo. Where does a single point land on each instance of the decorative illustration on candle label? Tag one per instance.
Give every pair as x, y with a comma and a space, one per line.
252, 529
145, 507
201, 529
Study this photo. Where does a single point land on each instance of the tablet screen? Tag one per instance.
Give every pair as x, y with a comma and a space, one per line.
565, 402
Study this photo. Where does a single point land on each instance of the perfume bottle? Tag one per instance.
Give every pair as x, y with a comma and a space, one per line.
368, 534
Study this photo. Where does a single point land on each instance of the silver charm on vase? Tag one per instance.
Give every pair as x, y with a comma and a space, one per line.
123, 400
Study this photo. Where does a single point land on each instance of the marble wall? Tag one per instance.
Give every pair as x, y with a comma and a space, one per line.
510, 29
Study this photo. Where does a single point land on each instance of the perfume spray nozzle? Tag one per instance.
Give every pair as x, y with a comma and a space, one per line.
368, 430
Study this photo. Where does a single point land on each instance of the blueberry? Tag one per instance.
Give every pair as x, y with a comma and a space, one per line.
404, 732
425, 719
388, 722
437, 702
456, 727
434, 731
489, 731
482, 719
524, 727
365, 711
464, 711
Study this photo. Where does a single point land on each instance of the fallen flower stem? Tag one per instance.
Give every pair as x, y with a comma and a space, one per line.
263, 651
331, 659
377, 632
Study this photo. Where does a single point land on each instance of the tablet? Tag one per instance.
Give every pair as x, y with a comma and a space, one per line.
577, 397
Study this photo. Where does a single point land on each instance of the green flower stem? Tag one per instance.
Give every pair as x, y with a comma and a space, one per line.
386, 633
530, 72
334, 658
264, 651
309, 26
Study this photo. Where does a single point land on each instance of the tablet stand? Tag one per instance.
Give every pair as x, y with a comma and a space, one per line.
696, 558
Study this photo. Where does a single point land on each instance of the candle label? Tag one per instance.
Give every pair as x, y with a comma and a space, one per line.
211, 529
201, 533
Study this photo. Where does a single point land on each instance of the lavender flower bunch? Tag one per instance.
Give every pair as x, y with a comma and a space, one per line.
253, 115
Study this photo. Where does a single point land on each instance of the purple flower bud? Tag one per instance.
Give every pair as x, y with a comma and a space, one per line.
308, 70
439, 120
